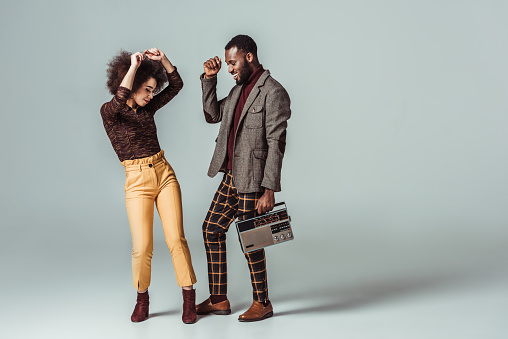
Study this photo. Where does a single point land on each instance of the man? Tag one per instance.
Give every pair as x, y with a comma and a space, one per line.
249, 150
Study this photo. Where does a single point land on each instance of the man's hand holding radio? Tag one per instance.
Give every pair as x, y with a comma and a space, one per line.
266, 202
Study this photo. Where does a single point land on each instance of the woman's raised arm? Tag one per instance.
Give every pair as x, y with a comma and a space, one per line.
128, 79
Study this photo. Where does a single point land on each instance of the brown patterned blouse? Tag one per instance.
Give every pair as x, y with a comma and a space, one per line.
133, 134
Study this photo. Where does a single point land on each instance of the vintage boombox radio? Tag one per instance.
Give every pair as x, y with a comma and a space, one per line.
268, 229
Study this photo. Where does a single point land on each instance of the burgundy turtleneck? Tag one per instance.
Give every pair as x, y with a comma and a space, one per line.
246, 89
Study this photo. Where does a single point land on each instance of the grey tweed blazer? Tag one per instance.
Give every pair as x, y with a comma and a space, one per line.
261, 135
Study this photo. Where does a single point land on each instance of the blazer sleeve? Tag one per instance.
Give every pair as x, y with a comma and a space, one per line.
212, 108
277, 113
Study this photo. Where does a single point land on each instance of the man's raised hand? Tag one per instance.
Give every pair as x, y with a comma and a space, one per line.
212, 67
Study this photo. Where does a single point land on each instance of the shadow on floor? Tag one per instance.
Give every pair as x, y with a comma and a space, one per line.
337, 298
157, 314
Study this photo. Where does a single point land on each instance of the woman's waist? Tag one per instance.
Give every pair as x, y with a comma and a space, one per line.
149, 161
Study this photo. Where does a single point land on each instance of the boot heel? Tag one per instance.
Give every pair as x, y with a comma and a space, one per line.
268, 315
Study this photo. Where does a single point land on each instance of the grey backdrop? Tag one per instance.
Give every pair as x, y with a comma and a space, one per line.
395, 170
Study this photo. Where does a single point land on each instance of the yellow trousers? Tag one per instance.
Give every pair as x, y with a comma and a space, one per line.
152, 180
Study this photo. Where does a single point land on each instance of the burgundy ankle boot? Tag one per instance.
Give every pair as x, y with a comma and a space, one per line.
189, 306
141, 310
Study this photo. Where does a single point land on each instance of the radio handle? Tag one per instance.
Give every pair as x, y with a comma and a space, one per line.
279, 203
276, 205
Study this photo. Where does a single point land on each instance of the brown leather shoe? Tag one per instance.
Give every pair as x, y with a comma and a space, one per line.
206, 307
189, 306
141, 309
257, 312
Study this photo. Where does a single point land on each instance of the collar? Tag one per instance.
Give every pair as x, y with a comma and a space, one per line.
255, 75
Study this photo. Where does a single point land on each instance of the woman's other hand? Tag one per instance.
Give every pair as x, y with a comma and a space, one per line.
154, 54
136, 59
128, 79
158, 55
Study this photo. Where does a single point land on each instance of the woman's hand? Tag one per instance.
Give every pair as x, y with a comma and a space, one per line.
128, 79
155, 54
136, 59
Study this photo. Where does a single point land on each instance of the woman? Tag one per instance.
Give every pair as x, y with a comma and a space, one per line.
129, 122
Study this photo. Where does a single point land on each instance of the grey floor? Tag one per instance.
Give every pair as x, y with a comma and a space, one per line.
365, 284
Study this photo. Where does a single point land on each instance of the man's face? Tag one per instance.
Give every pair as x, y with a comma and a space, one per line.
238, 65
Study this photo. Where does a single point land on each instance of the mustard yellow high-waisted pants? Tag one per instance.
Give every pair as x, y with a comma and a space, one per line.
152, 180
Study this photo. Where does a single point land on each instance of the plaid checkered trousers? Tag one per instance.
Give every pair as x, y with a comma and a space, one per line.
226, 204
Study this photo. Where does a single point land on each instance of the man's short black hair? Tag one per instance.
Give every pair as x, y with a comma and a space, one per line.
244, 43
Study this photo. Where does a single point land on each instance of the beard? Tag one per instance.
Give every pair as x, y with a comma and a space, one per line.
244, 74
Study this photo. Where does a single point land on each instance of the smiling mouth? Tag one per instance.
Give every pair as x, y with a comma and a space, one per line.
235, 76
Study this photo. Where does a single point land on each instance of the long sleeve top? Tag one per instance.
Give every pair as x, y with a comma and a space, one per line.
133, 134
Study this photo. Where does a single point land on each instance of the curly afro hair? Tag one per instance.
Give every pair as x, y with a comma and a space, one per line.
119, 65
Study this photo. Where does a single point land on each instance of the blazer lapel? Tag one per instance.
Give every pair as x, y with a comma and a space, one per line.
230, 111
253, 94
